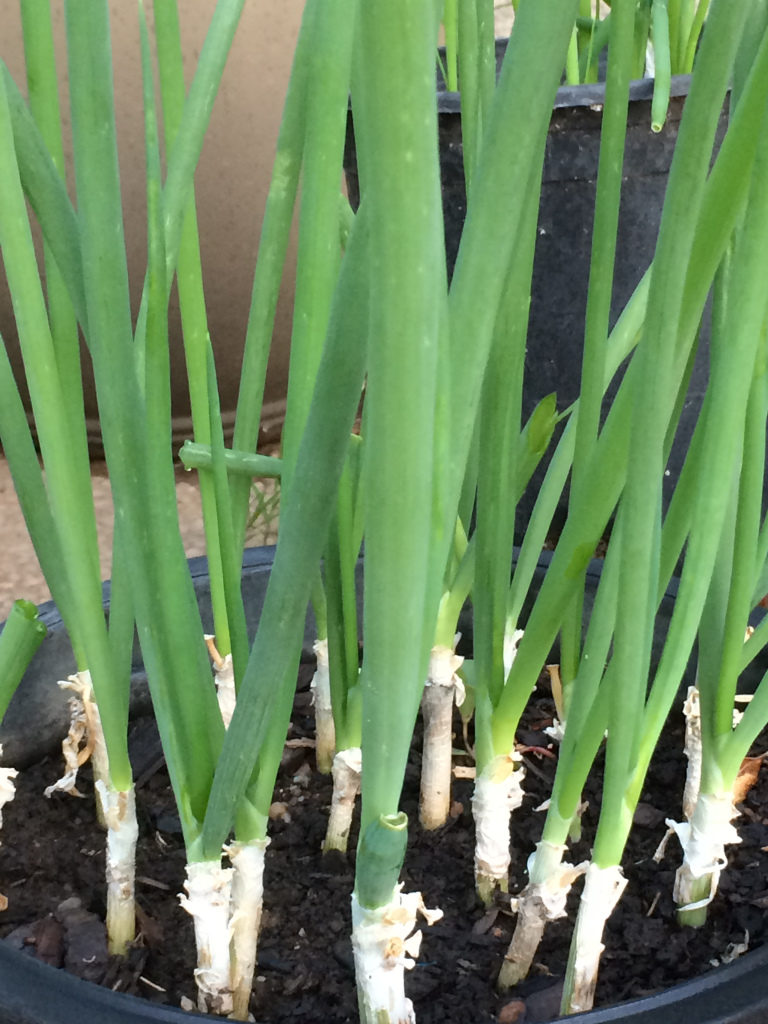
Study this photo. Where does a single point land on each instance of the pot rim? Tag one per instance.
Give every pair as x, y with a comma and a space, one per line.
31, 992
590, 94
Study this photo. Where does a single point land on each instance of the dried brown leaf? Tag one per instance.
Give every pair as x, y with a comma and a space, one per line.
747, 777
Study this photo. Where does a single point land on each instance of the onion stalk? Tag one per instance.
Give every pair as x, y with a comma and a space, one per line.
634, 721
51, 351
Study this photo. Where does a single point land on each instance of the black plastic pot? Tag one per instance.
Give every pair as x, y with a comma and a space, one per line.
563, 245
34, 993
19, 733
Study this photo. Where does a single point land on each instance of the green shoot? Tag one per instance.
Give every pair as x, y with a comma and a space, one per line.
22, 634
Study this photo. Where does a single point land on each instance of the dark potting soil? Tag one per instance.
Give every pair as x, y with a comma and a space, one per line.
52, 852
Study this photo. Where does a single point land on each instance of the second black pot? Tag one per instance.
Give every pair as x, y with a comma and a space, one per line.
564, 241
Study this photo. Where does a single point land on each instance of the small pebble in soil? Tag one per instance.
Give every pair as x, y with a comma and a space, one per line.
292, 760
512, 1012
304, 773
49, 942
278, 811
86, 940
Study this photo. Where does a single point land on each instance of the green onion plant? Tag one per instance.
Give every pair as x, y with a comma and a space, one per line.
718, 736
59, 509
343, 659
633, 728
131, 369
501, 693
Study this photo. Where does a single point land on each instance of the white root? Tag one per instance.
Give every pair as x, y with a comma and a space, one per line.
498, 792
692, 749
122, 834
384, 944
7, 787
556, 731
703, 840
347, 770
443, 685
207, 899
512, 638
247, 861
602, 891
224, 677
325, 731
7, 793
115, 809
541, 901
707, 827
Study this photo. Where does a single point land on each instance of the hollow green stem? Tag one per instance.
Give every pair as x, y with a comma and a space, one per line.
251, 465
661, 48
20, 638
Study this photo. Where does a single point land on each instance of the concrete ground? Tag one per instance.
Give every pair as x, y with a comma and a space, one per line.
20, 575
505, 15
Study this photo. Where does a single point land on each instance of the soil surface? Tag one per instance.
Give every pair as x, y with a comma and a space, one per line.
53, 852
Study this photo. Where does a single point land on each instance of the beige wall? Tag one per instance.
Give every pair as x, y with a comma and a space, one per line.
232, 178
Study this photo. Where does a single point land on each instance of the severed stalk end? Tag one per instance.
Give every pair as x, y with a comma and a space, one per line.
442, 687
247, 859
325, 731
347, 770
603, 888
207, 899
122, 834
541, 901
385, 944
498, 792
